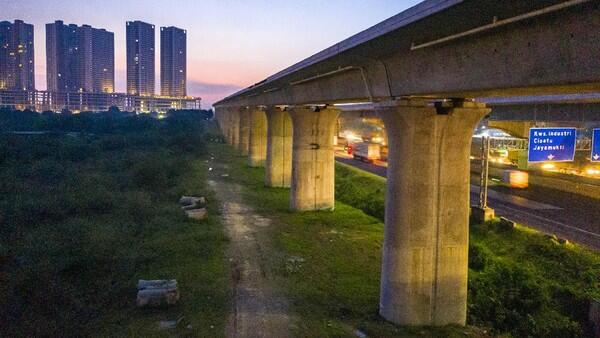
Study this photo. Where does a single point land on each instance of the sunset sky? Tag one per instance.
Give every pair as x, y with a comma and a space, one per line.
231, 43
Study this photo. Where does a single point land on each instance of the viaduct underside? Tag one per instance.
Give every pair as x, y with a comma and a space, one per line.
421, 70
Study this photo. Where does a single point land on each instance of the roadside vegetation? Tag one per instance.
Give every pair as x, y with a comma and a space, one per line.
521, 283
90, 207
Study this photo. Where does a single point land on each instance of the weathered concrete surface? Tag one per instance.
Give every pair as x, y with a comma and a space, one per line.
233, 122
424, 272
243, 144
278, 171
257, 309
257, 154
313, 164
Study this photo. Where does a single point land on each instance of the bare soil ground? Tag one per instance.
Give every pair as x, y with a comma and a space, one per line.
258, 310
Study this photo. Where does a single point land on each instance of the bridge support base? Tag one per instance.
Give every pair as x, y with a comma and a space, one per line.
313, 164
257, 153
424, 271
278, 171
482, 215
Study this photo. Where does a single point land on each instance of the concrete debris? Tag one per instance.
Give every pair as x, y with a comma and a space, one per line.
360, 334
170, 324
167, 324
190, 200
294, 264
157, 284
197, 214
193, 207
506, 224
190, 207
157, 292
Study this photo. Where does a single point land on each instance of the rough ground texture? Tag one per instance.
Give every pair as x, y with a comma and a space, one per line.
257, 309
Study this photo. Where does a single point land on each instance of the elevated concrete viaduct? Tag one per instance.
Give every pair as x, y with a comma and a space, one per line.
421, 69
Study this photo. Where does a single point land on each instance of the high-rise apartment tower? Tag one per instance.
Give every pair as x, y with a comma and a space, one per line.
140, 58
173, 62
17, 67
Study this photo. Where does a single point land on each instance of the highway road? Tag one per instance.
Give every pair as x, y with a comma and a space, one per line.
570, 216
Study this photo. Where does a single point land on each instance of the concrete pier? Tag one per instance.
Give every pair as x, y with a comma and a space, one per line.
278, 171
234, 126
257, 153
313, 164
424, 272
243, 143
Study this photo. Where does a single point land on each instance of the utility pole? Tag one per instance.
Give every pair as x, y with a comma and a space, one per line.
482, 213
485, 165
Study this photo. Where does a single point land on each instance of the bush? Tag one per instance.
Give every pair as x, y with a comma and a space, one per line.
479, 257
505, 297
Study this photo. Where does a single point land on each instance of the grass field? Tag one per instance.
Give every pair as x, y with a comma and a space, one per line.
328, 263
83, 218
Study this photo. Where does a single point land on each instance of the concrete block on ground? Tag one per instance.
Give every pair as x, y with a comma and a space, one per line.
189, 200
157, 292
482, 215
157, 297
506, 224
169, 324
157, 284
197, 214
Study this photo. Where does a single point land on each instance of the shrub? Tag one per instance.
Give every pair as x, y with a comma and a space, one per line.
479, 257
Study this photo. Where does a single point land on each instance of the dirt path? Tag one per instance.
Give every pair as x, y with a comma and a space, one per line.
257, 311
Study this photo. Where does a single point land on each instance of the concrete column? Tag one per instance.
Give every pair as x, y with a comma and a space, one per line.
257, 153
222, 118
424, 272
234, 126
278, 171
228, 126
313, 164
218, 117
243, 139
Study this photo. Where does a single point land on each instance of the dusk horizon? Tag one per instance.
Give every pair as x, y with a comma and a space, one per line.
225, 52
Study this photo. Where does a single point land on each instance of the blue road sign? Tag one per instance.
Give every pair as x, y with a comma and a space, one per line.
552, 144
596, 146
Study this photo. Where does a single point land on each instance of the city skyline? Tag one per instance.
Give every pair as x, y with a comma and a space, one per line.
225, 49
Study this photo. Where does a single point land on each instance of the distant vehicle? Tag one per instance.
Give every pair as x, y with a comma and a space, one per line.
366, 151
349, 149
